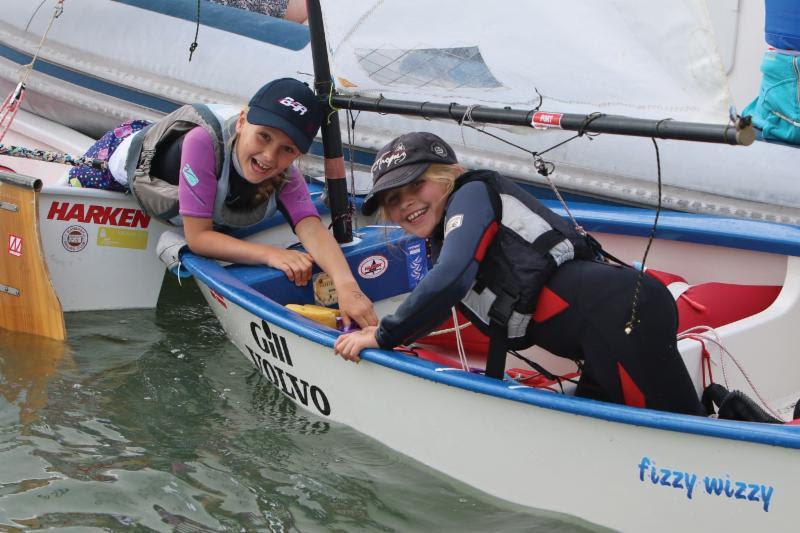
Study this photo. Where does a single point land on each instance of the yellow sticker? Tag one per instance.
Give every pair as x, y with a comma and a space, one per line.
324, 290
122, 238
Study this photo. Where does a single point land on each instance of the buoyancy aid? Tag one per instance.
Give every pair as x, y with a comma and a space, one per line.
529, 243
158, 197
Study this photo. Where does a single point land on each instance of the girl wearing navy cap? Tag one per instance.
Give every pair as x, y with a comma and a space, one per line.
210, 168
523, 276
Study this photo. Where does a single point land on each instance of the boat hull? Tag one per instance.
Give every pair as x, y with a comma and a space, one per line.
548, 456
625, 468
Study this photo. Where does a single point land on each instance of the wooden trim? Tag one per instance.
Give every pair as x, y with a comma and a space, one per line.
28, 301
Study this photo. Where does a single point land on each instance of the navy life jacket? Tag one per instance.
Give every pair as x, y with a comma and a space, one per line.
529, 243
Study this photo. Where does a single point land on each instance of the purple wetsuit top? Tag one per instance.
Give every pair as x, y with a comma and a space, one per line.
197, 183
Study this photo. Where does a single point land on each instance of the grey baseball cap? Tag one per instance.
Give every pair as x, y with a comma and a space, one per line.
403, 160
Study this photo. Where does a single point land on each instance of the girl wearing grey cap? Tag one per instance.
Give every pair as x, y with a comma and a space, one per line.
523, 276
212, 168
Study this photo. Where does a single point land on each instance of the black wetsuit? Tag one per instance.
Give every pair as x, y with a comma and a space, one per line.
591, 327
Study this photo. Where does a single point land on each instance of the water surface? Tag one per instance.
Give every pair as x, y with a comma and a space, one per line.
150, 420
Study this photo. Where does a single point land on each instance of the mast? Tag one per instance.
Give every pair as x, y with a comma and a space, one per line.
331, 135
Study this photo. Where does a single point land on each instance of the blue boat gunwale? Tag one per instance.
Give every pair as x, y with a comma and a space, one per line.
236, 291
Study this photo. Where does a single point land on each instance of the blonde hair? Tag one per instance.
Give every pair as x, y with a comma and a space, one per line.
266, 188
444, 174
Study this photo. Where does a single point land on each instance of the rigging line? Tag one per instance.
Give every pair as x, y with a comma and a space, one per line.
702, 332
57, 10
462, 355
541, 166
52, 157
334, 109
635, 303
351, 123
28, 25
194, 45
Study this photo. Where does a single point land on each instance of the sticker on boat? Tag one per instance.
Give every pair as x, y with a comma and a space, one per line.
373, 267
218, 297
273, 358
324, 289
74, 238
15, 245
134, 239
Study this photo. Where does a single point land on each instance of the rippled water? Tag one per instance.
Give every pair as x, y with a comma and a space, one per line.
152, 421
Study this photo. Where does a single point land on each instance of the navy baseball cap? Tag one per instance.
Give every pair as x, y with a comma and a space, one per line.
290, 106
403, 160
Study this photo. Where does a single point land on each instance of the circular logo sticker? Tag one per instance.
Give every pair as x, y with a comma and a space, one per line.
373, 266
74, 239
324, 290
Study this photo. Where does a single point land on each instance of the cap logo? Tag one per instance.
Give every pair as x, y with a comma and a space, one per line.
390, 159
296, 106
439, 150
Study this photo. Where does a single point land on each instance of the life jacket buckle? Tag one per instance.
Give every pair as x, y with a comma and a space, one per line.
502, 308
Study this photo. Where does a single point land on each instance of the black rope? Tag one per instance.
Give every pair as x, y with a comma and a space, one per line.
34, 14
635, 303
193, 46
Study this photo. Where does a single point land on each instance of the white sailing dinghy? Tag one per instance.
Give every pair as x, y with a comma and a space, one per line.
527, 439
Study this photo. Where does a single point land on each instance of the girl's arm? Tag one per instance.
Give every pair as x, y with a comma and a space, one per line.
204, 240
353, 304
471, 216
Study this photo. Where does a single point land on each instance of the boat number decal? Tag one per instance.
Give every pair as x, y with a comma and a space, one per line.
14, 245
416, 262
711, 485
373, 266
269, 344
125, 217
74, 239
542, 120
324, 289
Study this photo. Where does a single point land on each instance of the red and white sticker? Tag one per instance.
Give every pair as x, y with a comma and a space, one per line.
74, 239
15, 245
373, 266
218, 297
542, 120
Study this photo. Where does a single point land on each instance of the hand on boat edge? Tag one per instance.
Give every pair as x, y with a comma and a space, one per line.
356, 307
349, 345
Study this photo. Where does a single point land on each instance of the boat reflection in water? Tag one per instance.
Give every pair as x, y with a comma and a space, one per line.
27, 365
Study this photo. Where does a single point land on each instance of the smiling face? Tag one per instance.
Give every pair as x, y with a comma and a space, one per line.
263, 151
417, 207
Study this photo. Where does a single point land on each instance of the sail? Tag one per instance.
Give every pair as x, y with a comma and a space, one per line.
655, 60
644, 59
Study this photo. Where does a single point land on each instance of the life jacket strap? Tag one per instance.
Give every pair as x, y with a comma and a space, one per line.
499, 315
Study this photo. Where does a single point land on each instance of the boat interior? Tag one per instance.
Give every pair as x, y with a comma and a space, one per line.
732, 331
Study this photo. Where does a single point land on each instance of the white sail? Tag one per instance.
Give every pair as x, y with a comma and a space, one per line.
645, 59
658, 60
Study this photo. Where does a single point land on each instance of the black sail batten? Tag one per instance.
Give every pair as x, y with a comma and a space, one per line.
595, 123
331, 135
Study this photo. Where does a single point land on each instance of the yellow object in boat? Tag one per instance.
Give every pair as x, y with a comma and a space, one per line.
322, 315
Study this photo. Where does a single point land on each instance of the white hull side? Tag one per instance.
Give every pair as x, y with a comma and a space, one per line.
534, 456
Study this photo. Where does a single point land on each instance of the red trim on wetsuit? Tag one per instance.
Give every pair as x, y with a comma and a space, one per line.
630, 392
549, 305
486, 241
